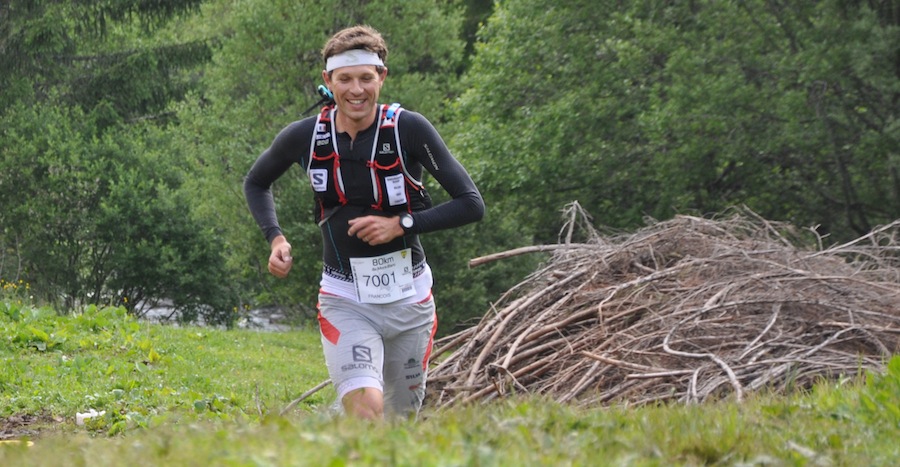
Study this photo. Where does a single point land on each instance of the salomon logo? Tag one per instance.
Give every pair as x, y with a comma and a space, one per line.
362, 354
318, 178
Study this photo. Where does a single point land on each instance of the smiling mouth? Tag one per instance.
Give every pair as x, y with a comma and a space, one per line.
356, 101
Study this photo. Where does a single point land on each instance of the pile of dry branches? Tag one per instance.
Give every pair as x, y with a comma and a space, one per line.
683, 310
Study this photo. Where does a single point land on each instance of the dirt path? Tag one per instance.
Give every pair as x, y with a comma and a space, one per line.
24, 425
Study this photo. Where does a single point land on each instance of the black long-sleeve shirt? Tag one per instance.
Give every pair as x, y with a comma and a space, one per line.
423, 149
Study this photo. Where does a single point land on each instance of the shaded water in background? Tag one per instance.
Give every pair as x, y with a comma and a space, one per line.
270, 318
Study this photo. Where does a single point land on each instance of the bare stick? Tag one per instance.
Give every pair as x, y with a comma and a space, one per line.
306, 394
256, 397
525, 250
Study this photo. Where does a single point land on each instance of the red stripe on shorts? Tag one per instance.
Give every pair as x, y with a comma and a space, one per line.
328, 330
430, 344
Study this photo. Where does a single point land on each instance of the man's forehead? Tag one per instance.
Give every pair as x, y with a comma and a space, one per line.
355, 71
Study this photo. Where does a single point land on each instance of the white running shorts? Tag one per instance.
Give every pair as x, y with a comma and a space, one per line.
379, 346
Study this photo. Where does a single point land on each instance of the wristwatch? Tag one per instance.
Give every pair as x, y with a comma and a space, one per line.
406, 222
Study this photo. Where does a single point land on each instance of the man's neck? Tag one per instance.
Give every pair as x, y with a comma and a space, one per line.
354, 127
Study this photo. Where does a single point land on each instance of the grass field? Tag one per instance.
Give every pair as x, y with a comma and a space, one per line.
208, 397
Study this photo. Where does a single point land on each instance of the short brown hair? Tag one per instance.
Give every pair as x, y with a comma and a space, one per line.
356, 37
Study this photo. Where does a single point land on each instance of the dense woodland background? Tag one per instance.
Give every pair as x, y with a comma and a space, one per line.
126, 127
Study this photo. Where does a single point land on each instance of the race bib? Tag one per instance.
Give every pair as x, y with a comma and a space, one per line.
384, 279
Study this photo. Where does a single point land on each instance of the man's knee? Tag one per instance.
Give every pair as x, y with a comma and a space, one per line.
365, 403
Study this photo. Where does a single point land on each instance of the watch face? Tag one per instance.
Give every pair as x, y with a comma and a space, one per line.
406, 221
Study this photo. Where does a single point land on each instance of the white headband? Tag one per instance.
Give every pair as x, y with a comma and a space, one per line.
353, 57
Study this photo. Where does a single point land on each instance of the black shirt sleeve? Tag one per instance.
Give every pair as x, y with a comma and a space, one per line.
289, 147
424, 145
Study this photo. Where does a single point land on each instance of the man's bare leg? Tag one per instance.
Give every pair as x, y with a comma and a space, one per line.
364, 403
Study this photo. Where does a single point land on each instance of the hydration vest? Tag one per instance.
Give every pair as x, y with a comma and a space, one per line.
392, 188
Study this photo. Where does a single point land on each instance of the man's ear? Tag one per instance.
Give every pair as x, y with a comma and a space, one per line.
327, 78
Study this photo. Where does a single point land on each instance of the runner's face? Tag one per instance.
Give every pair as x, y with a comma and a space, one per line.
356, 90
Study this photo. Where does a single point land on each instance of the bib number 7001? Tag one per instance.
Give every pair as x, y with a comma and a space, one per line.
380, 280
383, 279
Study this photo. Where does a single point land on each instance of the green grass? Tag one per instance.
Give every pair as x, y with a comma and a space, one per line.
197, 396
105, 360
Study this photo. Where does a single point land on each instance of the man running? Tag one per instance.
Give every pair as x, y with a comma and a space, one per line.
365, 162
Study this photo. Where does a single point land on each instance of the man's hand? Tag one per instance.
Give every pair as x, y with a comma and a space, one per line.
280, 260
375, 230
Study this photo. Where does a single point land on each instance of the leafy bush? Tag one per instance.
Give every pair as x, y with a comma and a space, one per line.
95, 215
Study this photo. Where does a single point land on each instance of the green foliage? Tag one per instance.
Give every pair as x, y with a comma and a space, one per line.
539, 139
650, 109
15, 291
97, 217
780, 117
94, 211
880, 402
42, 329
93, 52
